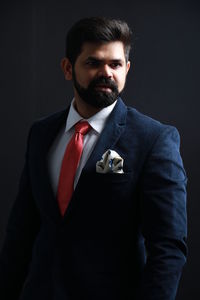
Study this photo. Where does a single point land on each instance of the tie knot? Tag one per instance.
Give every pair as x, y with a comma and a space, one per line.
82, 127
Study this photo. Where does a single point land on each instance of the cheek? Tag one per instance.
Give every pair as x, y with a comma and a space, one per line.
120, 79
83, 78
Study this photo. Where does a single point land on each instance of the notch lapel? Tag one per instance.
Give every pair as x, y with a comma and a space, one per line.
109, 136
45, 138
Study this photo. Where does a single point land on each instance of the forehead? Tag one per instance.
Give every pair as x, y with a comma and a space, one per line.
110, 50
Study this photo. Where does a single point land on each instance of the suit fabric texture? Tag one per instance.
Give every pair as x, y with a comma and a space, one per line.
123, 236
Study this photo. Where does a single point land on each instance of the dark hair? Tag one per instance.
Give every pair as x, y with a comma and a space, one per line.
97, 30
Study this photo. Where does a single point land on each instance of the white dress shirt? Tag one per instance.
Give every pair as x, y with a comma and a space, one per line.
56, 153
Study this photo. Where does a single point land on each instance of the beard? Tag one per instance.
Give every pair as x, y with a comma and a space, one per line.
94, 97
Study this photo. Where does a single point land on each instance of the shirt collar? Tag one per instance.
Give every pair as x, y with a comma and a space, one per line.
97, 121
72, 118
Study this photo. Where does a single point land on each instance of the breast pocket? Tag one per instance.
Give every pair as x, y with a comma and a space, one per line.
114, 177
116, 183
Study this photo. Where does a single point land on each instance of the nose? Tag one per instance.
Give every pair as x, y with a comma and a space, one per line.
105, 71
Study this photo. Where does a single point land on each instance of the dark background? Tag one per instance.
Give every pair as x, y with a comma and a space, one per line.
163, 83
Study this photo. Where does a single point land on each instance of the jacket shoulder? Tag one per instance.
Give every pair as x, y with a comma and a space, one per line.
145, 123
44, 127
148, 130
51, 118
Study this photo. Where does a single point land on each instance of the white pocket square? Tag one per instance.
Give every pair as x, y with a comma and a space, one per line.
111, 162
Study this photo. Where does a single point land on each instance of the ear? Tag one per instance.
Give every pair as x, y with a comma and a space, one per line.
128, 66
66, 67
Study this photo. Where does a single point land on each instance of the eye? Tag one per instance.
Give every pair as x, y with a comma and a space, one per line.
93, 63
115, 65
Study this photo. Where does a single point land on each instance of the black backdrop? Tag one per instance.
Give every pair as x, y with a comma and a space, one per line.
163, 83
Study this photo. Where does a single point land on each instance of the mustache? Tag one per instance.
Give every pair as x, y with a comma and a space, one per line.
107, 82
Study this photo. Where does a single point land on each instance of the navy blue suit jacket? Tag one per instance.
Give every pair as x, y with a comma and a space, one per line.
123, 235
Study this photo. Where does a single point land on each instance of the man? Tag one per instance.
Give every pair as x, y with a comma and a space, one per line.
101, 210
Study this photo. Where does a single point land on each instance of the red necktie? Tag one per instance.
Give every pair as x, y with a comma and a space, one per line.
69, 165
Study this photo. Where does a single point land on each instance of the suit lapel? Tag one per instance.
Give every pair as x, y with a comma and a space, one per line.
47, 135
109, 136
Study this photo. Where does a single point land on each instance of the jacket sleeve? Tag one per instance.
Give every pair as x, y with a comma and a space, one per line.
22, 227
164, 219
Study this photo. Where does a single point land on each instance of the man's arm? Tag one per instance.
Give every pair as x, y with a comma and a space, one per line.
164, 221
22, 227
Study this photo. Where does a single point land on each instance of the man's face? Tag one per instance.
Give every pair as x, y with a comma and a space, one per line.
99, 73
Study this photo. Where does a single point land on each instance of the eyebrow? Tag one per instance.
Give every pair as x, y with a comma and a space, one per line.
95, 59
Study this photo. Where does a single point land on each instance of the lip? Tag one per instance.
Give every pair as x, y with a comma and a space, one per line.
103, 88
